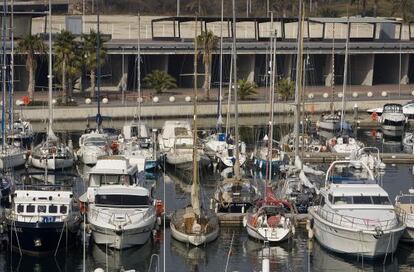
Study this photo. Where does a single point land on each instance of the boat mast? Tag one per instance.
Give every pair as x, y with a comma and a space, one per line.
298, 84
344, 83
139, 74
219, 107
229, 95
195, 187
98, 68
11, 83
273, 38
50, 76
4, 67
333, 70
236, 111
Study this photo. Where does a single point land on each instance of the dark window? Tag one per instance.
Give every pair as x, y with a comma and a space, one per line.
30, 208
20, 208
53, 209
381, 200
41, 208
330, 198
343, 200
122, 200
322, 201
63, 209
362, 200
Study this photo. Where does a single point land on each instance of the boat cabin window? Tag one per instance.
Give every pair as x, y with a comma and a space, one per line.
102, 179
53, 209
122, 200
20, 208
393, 108
330, 198
94, 142
30, 208
362, 200
341, 200
181, 131
381, 200
63, 209
41, 209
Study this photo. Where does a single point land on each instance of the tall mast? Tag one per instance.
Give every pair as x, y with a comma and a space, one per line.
229, 95
98, 68
273, 39
195, 186
50, 131
298, 84
139, 73
236, 110
219, 107
11, 85
333, 69
4, 70
344, 83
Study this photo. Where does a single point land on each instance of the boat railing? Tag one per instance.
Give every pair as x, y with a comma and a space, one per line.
35, 218
405, 216
356, 222
331, 177
95, 212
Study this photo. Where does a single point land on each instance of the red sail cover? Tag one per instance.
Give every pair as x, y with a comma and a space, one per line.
270, 199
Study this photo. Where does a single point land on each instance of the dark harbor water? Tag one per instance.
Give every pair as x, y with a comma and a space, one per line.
233, 250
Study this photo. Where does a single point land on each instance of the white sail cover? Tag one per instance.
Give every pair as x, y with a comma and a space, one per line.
195, 197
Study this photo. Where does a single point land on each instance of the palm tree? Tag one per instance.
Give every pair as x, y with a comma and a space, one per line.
67, 62
246, 89
285, 88
31, 45
207, 42
89, 56
160, 81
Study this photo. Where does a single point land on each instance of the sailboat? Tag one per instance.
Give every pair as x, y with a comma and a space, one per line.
193, 225
10, 155
267, 220
235, 194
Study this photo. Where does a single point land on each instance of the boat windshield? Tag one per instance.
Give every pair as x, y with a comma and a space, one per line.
95, 141
393, 108
122, 200
351, 174
362, 200
110, 179
181, 131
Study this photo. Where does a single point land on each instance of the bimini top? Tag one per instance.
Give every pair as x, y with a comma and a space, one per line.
349, 172
115, 165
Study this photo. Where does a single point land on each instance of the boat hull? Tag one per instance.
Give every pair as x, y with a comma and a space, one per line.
54, 163
392, 130
271, 235
41, 239
8, 161
262, 164
121, 239
353, 241
195, 240
408, 235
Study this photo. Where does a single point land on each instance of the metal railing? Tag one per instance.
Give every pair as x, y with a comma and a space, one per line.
356, 222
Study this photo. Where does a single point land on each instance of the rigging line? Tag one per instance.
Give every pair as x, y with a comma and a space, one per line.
229, 252
60, 238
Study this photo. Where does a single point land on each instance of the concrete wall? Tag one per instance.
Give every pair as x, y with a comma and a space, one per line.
361, 70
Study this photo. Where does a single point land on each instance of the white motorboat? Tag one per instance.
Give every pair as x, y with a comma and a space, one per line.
355, 215
404, 207
137, 145
370, 156
176, 143
307, 143
344, 144
221, 149
329, 122
43, 217
408, 110
92, 146
22, 132
392, 120
261, 156
52, 154
120, 211
267, 220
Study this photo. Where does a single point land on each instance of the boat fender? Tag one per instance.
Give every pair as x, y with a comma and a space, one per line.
242, 210
211, 203
309, 228
216, 208
245, 221
82, 207
379, 232
159, 221
159, 207
293, 230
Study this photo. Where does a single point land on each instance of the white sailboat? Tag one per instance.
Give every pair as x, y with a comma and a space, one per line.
52, 153
11, 155
92, 146
355, 215
192, 225
235, 194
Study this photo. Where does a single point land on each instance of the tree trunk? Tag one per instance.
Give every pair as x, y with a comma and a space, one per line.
93, 79
64, 87
375, 8
206, 79
30, 88
70, 88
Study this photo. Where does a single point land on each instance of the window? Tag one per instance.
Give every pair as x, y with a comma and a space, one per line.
381, 200
20, 208
63, 209
30, 208
41, 209
341, 200
53, 209
330, 198
362, 200
122, 200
